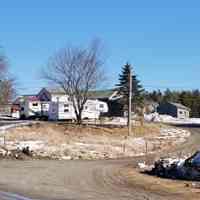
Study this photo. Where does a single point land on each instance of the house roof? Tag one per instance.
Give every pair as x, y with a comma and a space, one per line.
101, 94
55, 90
96, 94
179, 105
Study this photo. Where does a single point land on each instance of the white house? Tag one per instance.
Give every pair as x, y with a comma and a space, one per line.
61, 111
53, 95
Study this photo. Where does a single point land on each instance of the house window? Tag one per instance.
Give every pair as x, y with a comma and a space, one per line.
66, 110
180, 112
101, 106
35, 104
22, 108
86, 107
44, 106
66, 105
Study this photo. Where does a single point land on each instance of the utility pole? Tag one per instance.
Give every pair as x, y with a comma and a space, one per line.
130, 103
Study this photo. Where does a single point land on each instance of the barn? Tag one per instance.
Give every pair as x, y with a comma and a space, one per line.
174, 109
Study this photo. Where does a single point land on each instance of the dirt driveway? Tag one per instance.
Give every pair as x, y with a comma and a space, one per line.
77, 180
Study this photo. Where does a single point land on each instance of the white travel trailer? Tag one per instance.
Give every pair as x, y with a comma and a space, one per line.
93, 109
65, 110
31, 107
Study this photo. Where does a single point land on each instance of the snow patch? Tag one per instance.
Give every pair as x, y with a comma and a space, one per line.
155, 117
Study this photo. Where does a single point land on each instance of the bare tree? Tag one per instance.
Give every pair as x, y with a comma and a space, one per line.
3, 66
7, 89
77, 71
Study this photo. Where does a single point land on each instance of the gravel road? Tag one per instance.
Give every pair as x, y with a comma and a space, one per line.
70, 180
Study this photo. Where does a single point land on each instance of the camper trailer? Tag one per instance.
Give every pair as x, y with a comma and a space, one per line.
93, 109
31, 107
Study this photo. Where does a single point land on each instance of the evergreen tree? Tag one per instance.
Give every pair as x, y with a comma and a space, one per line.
155, 96
170, 96
123, 88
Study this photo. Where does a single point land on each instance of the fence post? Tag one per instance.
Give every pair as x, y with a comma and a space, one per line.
4, 141
146, 147
124, 144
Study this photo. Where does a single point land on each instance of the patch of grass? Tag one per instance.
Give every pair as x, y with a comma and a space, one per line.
55, 133
174, 189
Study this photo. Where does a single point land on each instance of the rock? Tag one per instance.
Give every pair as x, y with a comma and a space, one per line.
66, 158
196, 185
188, 169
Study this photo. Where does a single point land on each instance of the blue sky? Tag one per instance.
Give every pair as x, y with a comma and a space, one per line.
161, 39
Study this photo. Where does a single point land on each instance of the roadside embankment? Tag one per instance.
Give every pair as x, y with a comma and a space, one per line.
70, 142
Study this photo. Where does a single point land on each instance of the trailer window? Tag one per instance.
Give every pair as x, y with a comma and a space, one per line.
66, 110
66, 105
35, 104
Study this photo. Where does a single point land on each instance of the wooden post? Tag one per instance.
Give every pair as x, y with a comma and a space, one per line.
130, 103
4, 141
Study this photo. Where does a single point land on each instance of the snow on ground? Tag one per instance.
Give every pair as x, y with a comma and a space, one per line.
15, 124
33, 145
155, 117
117, 121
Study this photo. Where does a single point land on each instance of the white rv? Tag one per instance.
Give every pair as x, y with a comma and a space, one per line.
31, 107
93, 109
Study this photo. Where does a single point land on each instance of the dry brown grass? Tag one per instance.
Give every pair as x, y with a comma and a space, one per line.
55, 133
